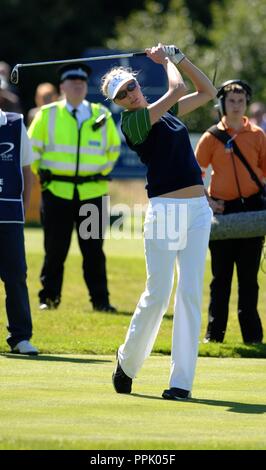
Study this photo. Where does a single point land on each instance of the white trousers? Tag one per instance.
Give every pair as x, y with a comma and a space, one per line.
176, 231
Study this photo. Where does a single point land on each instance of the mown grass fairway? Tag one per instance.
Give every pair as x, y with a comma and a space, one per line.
64, 398
67, 402
74, 328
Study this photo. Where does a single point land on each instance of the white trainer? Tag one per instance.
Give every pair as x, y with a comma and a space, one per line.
44, 307
24, 347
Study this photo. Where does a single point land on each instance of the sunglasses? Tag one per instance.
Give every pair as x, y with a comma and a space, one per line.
121, 95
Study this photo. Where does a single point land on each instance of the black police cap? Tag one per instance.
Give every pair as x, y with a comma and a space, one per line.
74, 71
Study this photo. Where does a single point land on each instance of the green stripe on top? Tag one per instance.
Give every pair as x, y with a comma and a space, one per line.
136, 124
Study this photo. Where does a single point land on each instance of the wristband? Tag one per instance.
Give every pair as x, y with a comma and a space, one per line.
176, 59
174, 54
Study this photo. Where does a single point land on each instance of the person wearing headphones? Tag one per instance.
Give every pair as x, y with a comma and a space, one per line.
235, 186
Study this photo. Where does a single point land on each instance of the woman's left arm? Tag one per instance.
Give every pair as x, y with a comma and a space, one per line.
205, 91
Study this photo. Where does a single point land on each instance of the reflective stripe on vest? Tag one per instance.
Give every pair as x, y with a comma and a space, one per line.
56, 140
62, 148
84, 167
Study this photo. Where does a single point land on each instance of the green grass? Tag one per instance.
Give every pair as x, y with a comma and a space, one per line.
67, 402
74, 328
63, 399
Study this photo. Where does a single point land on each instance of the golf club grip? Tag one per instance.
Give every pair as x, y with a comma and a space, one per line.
144, 53
139, 53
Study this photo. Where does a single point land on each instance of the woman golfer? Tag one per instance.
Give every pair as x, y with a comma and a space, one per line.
178, 218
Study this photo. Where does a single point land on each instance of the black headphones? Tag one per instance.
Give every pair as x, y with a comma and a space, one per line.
221, 93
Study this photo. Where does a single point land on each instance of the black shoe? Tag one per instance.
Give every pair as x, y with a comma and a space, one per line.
121, 382
176, 394
106, 307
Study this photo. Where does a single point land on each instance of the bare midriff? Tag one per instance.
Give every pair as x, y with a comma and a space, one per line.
191, 191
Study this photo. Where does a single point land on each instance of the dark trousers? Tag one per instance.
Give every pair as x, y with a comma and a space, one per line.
59, 216
245, 254
13, 272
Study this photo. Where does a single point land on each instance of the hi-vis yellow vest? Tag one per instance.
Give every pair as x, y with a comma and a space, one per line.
64, 149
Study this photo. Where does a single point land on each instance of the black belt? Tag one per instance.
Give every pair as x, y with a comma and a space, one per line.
46, 177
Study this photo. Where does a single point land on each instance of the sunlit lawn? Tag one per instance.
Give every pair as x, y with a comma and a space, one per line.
74, 328
64, 399
67, 402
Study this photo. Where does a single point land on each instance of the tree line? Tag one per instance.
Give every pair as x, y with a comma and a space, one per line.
218, 35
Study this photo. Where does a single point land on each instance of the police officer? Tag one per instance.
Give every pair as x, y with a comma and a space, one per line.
76, 145
15, 184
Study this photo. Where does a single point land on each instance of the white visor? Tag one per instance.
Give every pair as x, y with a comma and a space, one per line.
117, 82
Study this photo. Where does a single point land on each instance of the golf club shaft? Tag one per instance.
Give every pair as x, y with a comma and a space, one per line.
82, 59
14, 73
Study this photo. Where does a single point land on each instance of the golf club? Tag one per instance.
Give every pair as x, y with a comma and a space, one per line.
14, 77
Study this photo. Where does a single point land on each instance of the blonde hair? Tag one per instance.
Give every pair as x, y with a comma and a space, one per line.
111, 74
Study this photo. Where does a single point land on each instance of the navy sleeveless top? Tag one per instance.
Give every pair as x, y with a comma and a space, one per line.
169, 157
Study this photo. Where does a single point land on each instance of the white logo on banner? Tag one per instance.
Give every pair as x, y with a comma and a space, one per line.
5, 148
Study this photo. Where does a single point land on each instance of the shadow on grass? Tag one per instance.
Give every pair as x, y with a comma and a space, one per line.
234, 407
123, 313
120, 313
252, 350
213, 349
51, 358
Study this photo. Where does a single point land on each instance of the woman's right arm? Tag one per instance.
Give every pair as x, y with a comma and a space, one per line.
176, 85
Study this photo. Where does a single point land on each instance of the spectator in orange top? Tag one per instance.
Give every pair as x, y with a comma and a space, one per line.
233, 190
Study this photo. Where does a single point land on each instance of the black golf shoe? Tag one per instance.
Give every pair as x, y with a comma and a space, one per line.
104, 307
176, 394
121, 382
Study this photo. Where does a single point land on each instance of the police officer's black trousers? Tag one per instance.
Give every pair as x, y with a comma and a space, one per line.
59, 216
13, 272
245, 254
